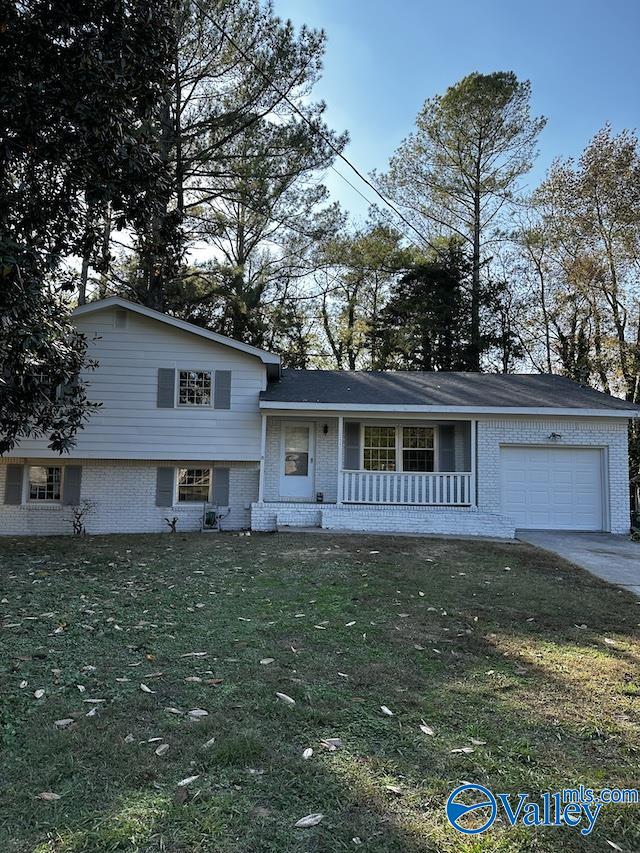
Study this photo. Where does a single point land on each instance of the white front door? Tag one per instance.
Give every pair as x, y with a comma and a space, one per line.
296, 460
553, 487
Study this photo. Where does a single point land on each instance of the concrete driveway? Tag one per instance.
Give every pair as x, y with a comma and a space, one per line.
614, 558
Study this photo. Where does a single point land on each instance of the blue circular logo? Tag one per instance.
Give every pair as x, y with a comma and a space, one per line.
458, 807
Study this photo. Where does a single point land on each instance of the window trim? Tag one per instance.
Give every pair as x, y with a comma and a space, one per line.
180, 370
26, 487
399, 446
176, 496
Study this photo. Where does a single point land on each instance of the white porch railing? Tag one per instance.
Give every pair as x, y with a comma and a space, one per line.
390, 487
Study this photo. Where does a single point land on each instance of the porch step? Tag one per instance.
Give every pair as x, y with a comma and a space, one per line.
298, 518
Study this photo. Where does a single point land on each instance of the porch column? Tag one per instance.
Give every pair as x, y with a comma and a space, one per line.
340, 457
474, 464
263, 447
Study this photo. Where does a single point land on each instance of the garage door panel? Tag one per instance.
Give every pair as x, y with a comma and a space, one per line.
552, 488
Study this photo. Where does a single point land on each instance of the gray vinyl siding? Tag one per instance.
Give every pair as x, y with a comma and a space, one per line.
129, 424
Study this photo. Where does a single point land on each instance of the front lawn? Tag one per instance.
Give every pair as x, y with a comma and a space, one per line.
528, 663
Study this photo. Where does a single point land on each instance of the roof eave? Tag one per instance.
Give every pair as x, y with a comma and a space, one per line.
564, 411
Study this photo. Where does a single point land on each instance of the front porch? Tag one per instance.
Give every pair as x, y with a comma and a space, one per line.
364, 461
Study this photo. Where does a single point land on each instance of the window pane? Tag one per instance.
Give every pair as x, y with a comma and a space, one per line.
44, 483
194, 388
418, 437
296, 451
417, 460
380, 448
193, 484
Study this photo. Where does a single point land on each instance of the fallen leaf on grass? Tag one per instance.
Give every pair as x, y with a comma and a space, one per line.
427, 730
331, 743
93, 712
209, 743
286, 699
394, 789
162, 749
386, 711
309, 820
465, 749
476, 742
184, 782
308, 752
196, 713
129, 739
39, 694
613, 844
266, 661
62, 724
175, 711
49, 796
146, 689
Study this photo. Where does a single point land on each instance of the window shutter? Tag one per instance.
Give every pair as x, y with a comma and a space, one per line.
13, 485
352, 445
222, 389
463, 442
166, 387
221, 486
164, 487
71, 485
446, 448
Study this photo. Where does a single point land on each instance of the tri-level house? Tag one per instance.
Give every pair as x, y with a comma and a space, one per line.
196, 427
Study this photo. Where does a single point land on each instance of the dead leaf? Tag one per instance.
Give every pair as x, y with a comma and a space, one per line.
49, 796
93, 712
189, 779
39, 694
162, 749
146, 689
308, 752
286, 699
309, 820
386, 711
129, 739
267, 661
465, 749
62, 724
175, 711
427, 730
331, 743
394, 789
209, 743
476, 742
613, 844
197, 713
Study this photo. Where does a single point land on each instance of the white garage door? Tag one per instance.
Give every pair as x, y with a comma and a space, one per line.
552, 488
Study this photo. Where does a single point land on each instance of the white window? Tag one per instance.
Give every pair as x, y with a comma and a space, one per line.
379, 448
44, 483
418, 452
194, 388
194, 485
391, 448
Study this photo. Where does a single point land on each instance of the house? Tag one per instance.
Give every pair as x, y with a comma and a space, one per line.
192, 420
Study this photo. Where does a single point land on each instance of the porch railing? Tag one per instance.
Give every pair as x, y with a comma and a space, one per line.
390, 487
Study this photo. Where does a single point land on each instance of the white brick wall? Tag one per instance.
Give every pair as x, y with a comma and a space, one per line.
124, 493
607, 433
382, 519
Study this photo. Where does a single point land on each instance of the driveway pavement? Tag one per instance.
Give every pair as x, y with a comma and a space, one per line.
614, 558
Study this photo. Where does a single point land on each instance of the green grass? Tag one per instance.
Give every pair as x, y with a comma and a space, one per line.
443, 632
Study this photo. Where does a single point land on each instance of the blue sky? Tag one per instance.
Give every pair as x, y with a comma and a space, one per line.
385, 57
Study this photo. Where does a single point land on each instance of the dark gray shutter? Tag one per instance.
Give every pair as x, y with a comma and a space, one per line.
13, 485
221, 486
447, 448
352, 445
222, 389
166, 387
164, 487
71, 485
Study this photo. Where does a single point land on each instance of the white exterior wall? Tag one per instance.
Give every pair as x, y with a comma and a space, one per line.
129, 425
610, 434
124, 492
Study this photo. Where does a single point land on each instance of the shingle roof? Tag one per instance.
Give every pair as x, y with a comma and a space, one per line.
408, 388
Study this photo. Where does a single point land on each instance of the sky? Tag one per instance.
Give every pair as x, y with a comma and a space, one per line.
385, 57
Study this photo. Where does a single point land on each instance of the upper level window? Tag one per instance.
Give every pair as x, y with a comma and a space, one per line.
380, 448
194, 388
418, 448
194, 484
44, 483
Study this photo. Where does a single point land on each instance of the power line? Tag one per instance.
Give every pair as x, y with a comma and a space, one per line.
316, 129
